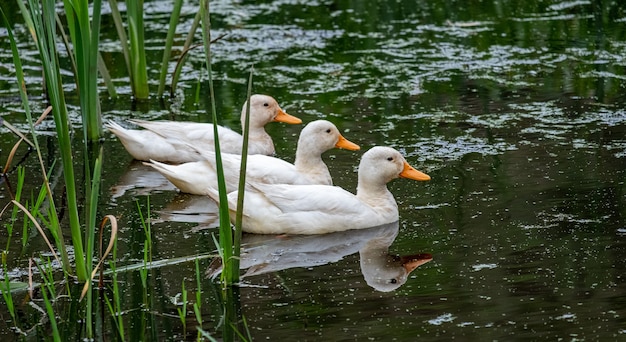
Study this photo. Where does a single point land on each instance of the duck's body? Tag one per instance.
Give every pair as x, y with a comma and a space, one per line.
319, 209
169, 141
316, 138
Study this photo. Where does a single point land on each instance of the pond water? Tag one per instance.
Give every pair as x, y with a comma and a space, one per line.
516, 109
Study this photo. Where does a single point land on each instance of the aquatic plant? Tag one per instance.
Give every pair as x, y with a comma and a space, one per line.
169, 41
45, 26
134, 53
228, 248
42, 21
229, 245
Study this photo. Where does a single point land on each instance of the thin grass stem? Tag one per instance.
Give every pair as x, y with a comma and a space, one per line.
169, 41
186, 48
48, 290
6, 290
182, 312
241, 186
226, 236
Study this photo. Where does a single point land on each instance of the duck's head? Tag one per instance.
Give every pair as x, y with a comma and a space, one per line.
382, 164
264, 109
321, 136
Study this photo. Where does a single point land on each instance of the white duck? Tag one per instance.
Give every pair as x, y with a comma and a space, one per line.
168, 141
316, 138
319, 209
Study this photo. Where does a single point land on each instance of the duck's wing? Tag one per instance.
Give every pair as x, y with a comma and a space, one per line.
192, 177
270, 170
146, 145
201, 135
304, 209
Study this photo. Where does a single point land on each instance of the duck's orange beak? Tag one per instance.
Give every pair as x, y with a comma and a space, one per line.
346, 144
411, 262
410, 173
286, 118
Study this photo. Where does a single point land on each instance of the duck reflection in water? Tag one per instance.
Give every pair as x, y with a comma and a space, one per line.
261, 254
140, 180
187, 208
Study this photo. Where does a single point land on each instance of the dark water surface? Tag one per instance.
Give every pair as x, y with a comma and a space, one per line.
516, 109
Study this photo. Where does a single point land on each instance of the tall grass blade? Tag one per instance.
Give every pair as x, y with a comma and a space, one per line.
48, 290
34, 221
186, 48
182, 312
121, 33
85, 35
169, 41
241, 186
6, 289
226, 236
197, 306
45, 28
18, 197
104, 72
37, 30
134, 11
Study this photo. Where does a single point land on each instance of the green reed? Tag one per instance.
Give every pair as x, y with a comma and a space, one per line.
18, 196
45, 26
49, 293
186, 48
225, 235
241, 188
85, 34
134, 53
229, 242
6, 289
139, 70
197, 306
49, 61
182, 312
84, 28
169, 41
84, 31
115, 304
228, 245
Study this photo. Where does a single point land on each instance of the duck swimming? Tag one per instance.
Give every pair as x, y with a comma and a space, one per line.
316, 138
320, 209
169, 141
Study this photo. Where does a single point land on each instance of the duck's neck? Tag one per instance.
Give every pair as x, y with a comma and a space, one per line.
311, 163
255, 128
378, 197
259, 136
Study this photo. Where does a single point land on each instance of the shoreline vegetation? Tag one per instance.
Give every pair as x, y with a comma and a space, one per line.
86, 287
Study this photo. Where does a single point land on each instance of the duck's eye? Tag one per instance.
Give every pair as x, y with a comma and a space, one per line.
390, 158
266, 104
393, 281
328, 130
